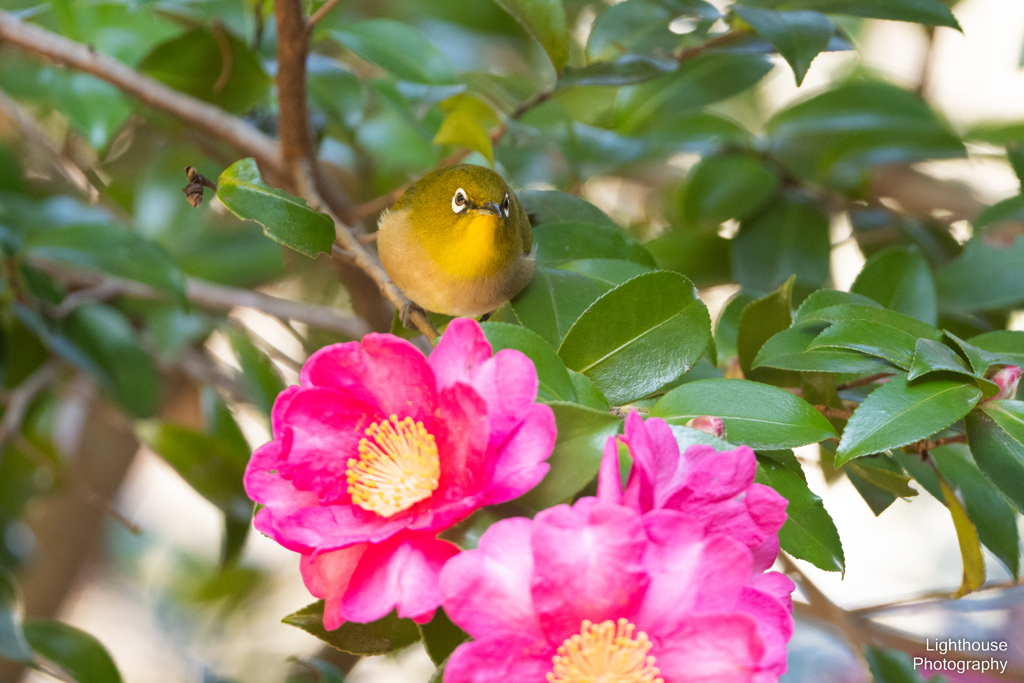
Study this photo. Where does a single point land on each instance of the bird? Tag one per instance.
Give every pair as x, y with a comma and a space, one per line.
457, 242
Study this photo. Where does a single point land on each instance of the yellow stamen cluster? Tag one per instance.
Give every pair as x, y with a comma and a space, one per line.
397, 470
605, 653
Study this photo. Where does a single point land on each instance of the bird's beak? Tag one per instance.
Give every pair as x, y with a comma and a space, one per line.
492, 207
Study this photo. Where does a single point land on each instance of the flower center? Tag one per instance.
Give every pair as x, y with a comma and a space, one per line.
605, 653
399, 469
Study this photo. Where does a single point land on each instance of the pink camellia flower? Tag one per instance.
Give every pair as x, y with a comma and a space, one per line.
1007, 379
378, 449
663, 582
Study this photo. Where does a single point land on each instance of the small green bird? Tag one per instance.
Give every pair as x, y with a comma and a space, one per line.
457, 242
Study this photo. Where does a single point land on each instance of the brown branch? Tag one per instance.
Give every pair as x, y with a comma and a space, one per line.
929, 444
212, 120
20, 400
863, 381
717, 41
209, 296
321, 13
837, 413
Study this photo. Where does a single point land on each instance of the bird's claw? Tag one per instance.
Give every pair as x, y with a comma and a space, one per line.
406, 313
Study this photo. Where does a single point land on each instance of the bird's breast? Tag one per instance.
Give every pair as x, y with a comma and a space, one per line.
473, 250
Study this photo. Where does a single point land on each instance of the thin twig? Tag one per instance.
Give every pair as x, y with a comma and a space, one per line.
929, 444
717, 41
212, 297
213, 120
320, 13
863, 381
19, 400
837, 413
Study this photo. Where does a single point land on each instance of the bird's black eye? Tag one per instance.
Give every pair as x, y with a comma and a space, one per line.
460, 199
504, 204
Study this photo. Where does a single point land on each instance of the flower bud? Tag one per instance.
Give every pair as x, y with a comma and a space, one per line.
714, 425
1006, 379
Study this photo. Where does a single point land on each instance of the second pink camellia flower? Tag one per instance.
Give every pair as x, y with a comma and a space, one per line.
379, 449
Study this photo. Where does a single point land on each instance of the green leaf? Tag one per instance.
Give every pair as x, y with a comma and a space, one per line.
1007, 346
809, 532
799, 36
721, 188
701, 257
285, 219
758, 322
587, 392
996, 437
992, 516
441, 637
639, 337
847, 312
626, 70
1011, 209
641, 27
12, 610
582, 433
380, 637
757, 415
259, 376
899, 279
553, 301
892, 480
108, 337
607, 272
544, 20
929, 12
728, 323
697, 82
827, 298
212, 65
214, 467
551, 206
788, 350
112, 250
870, 337
555, 383
462, 129
558, 243
930, 356
76, 652
980, 360
898, 413
790, 237
893, 666
967, 537
984, 277
396, 47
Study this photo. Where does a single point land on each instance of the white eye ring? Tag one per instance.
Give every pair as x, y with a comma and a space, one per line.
459, 201
505, 206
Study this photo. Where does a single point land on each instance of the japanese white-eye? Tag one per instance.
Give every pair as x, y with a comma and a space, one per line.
457, 242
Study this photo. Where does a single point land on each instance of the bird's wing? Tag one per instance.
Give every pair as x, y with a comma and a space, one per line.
526, 234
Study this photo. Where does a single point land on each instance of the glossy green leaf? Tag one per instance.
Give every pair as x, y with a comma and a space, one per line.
847, 312
441, 637
214, 467
697, 83
758, 321
701, 257
396, 47
799, 35
930, 356
641, 27
112, 250
870, 337
988, 510
558, 243
12, 610
877, 498
553, 301
967, 538
931, 12
827, 298
212, 65
788, 350
626, 70
1007, 346
544, 20
461, 129
106, 335
551, 206
891, 480
790, 237
996, 437
587, 393
721, 188
984, 277
757, 415
809, 532
582, 433
553, 377
639, 337
607, 272
76, 652
285, 218
728, 323
979, 360
380, 637
898, 413
899, 278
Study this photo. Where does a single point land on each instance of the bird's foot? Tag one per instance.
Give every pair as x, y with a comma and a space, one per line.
487, 316
406, 313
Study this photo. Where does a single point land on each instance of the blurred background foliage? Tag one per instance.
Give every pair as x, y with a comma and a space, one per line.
130, 319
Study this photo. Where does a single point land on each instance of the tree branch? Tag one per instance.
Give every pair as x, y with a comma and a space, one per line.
212, 120
20, 400
864, 381
211, 297
321, 13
